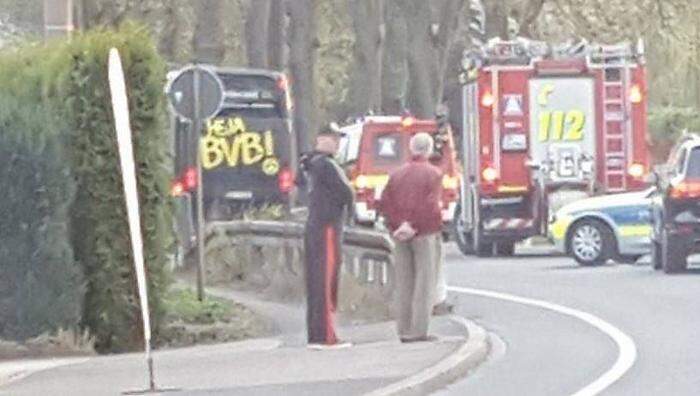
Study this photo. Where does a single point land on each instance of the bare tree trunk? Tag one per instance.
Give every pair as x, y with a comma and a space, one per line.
419, 36
277, 35
365, 81
496, 19
58, 18
394, 62
256, 33
448, 23
171, 30
79, 15
531, 10
423, 69
463, 39
90, 13
208, 40
302, 60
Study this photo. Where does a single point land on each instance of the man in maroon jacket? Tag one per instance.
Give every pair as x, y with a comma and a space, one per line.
411, 206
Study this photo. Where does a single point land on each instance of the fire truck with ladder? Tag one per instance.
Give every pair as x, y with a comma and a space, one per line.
542, 125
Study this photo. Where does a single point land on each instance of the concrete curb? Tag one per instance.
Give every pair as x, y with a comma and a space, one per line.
16, 370
468, 356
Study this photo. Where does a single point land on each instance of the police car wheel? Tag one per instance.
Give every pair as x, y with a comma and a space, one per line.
591, 242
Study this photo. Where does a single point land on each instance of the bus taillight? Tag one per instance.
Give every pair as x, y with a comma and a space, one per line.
285, 180
189, 179
282, 83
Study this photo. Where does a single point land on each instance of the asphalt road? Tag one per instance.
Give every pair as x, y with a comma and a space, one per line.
540, 352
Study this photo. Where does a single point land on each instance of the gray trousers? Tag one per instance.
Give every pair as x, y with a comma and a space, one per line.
415, 285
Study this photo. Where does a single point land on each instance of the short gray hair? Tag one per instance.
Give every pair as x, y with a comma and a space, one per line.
421, 144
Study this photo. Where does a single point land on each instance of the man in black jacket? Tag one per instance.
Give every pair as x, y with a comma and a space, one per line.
330, 200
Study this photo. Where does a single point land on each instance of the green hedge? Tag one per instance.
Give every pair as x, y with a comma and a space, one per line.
100, 229
41, 285
70, 78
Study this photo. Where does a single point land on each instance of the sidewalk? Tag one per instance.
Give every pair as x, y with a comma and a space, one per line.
283, 365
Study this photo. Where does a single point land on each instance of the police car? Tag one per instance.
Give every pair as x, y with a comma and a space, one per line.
594, 230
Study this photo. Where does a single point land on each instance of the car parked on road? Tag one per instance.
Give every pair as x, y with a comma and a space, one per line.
595, 230
676, 207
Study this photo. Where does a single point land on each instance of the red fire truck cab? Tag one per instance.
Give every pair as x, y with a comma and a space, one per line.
541, 121
374, 146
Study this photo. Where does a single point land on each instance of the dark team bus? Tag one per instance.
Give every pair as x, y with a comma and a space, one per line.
248, 149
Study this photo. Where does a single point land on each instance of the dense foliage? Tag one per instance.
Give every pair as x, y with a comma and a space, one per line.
69, 82
41, 285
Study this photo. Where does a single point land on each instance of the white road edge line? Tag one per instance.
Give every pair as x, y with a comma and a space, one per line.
627, 351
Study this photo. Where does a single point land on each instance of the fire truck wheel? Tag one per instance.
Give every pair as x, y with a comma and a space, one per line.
483, 249
506, 249
464, 243
591, 242
462, 237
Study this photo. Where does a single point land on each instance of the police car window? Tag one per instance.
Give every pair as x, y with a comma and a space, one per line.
343, 150
694, 163
353, 148
387, 147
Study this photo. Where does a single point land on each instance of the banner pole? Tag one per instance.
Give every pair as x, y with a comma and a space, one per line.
120, 107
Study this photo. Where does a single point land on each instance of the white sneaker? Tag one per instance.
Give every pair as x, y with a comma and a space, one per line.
330, 347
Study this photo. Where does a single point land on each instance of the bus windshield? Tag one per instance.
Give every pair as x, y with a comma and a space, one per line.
260, 96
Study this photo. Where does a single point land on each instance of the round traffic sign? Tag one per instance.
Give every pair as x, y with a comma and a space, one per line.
183, 97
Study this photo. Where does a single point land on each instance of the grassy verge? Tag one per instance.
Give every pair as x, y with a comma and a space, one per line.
62, 343
215, 320
187, 322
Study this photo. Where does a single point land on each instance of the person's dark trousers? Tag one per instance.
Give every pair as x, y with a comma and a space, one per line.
323, 260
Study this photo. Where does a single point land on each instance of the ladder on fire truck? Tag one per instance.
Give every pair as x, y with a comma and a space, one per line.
615, 62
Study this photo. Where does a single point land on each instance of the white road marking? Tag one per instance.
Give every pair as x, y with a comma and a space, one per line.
627, 351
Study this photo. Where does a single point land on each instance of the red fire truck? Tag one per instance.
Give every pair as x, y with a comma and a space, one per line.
541, 123
374, 146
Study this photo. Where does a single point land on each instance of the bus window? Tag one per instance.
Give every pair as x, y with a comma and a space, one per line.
261, 93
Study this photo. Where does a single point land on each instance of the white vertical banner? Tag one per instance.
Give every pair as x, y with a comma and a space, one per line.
120, 107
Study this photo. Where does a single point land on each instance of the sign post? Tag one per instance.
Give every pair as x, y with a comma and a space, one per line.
197, 94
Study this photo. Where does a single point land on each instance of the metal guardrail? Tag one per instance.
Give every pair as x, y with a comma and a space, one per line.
367, 253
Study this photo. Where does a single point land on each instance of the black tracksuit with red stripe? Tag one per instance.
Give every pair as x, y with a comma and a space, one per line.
330, 195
